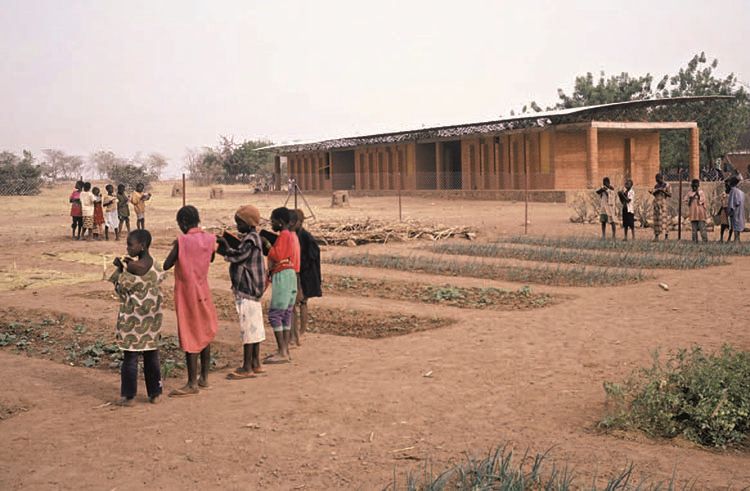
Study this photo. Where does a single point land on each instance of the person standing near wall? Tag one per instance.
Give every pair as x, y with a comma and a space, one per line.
696, 201
736, 208
661, 193
607, 212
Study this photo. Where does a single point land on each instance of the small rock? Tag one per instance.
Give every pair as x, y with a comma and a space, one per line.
664, 287
350, 243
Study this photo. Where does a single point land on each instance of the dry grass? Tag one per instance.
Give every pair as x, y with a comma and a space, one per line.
30, 279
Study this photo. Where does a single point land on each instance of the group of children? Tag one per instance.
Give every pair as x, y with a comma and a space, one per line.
729, 216
287, 259
94, 215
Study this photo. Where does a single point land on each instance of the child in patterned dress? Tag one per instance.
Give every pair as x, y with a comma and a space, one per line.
139, 319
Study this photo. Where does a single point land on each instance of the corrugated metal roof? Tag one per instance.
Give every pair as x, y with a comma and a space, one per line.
528, 120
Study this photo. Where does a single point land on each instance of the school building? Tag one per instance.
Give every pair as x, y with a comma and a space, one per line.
569, 149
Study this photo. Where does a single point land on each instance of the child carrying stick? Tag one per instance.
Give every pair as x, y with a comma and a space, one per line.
192, 254
139, 320
248, 275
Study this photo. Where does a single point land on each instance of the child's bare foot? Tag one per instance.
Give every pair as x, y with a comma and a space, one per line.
203, 383
240, 374
125, 401
185, 391
154, 399
277, 358
258, 370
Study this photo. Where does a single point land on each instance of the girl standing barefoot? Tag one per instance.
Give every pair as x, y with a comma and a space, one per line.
192, 254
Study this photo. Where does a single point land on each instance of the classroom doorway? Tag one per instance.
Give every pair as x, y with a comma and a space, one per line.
451, 171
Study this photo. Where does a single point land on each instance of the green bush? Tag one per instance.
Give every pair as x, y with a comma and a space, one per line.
703, 397
19, 176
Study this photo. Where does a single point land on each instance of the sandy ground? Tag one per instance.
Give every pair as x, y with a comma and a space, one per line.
338, 416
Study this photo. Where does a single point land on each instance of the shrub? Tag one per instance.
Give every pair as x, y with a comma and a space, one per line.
703, 397
130, 175
19, 175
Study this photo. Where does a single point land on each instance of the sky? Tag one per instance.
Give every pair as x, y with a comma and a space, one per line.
167, 75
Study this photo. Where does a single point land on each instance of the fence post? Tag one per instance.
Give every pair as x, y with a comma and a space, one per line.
679, 204
183, 189
400, 219
526, 189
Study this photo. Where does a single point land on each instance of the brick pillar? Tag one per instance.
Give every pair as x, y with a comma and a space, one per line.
695, 153
592, 157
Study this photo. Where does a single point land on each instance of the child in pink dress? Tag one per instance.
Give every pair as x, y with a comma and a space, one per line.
192, 254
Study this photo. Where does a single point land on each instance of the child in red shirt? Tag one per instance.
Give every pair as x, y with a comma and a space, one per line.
283, 265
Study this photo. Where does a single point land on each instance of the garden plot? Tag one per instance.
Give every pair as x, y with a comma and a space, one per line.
593, 257
82, 342
455, 296
641, 246
554, 275
369, 324
339, 322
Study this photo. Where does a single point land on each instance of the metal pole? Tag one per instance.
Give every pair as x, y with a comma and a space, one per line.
679, 205
183, 189
526, 189
400, 218
295, 194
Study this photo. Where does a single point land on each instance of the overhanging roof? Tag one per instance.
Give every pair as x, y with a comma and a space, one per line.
529, 120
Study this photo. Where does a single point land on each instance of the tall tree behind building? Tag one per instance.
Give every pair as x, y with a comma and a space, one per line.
721, 122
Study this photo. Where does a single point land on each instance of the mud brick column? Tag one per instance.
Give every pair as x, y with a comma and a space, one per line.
592, 154
438, 165
695, 153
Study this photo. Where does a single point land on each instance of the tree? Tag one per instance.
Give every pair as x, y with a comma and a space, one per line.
19, 175
616, 88
720, 122
155, 164
57, 165
245, 161
229, 162
103, 161
204, 166
130, 174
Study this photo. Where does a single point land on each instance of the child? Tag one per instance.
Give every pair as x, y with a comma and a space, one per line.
736, 208
139, 320
98, 213
139, 198
192, 254
661, 192
309, 275
111, 222
75, 210
248, 275
607, 214
87, 210
627, 198
722, 216
283, 264
123, 208
696, 201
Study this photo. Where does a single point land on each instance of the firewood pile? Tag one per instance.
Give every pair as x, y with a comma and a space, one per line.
352, 233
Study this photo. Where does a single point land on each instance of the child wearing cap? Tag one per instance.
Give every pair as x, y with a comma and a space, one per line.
247, 273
